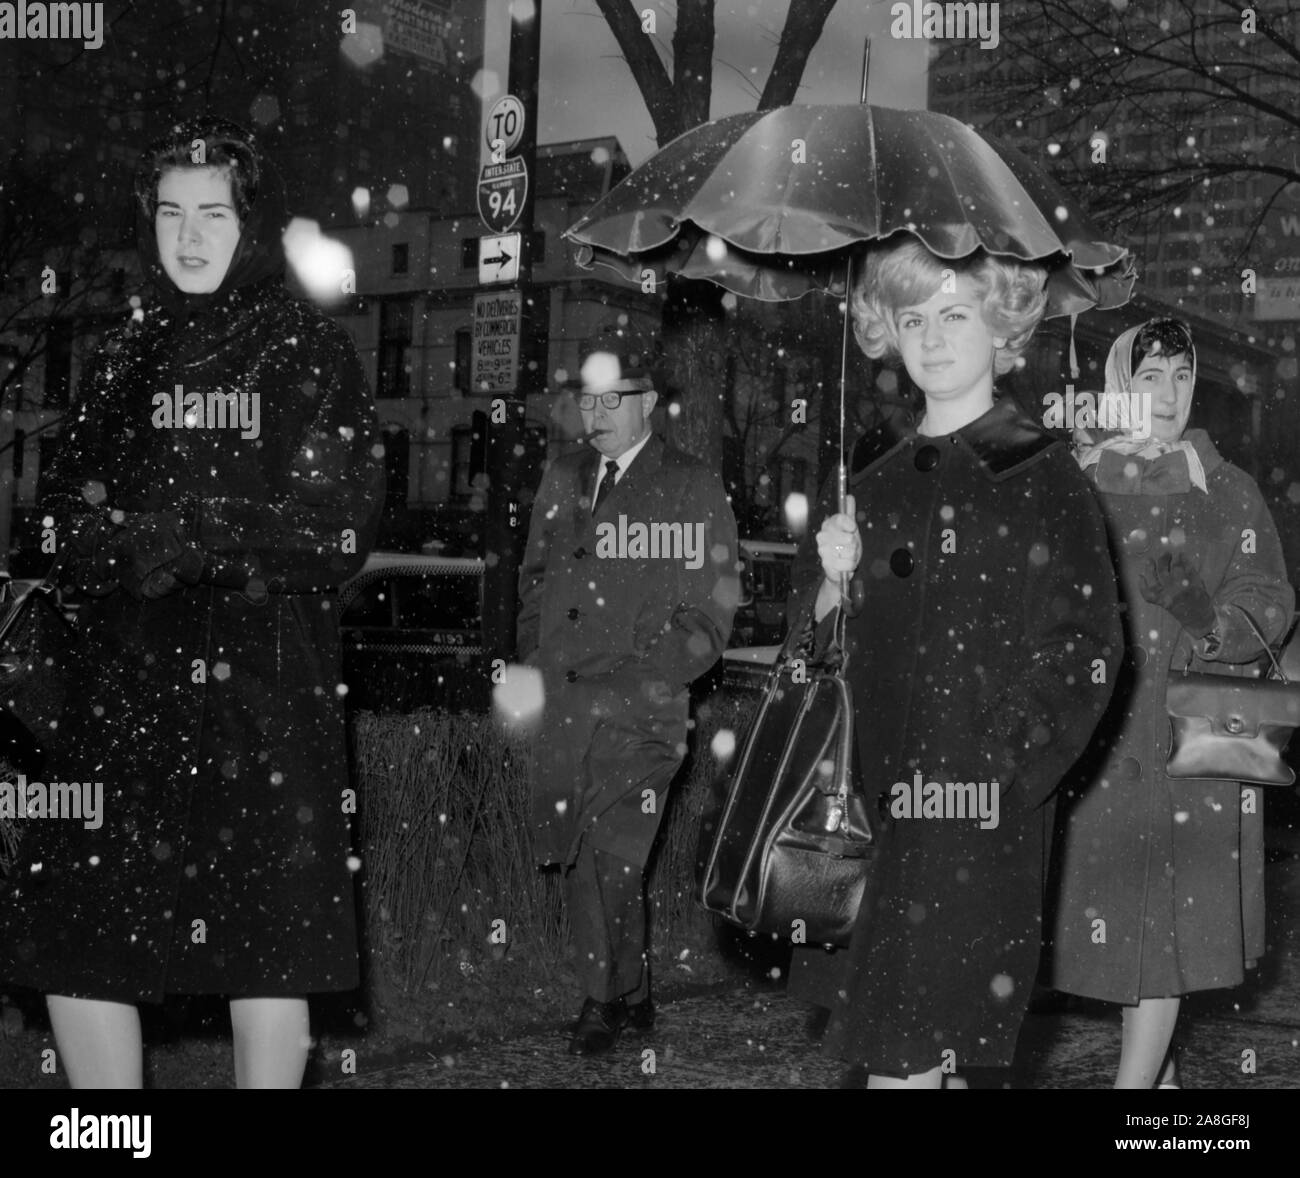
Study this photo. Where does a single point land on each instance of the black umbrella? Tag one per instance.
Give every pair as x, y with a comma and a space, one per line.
768, 204
775, 204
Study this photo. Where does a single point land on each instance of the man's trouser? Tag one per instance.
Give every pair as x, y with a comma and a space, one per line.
606, 902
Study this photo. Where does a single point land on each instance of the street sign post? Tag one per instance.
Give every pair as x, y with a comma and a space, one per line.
509, 328
494, 355
498, 258
502, 190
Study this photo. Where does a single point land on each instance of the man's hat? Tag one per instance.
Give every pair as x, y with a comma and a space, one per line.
625, 365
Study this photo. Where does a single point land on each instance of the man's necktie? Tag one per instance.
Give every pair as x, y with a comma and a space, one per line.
606, 485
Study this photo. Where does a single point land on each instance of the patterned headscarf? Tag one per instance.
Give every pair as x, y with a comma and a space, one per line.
1113, 405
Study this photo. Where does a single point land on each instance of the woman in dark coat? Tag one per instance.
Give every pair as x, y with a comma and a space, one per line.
981, 658
206, 694
1161, 881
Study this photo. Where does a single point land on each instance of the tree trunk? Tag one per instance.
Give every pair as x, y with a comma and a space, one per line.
692, 337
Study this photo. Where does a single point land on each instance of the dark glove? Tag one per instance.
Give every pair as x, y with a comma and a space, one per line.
1172, 582
150, 555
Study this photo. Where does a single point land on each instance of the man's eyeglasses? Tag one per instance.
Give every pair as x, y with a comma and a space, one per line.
609, 400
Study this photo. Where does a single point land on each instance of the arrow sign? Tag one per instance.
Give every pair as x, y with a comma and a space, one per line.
498, 258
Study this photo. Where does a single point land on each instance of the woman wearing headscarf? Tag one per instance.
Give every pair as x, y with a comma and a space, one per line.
219, 479
1161, 880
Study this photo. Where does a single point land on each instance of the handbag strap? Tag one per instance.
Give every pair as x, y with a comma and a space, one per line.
47, 585
1272, 658
804, 619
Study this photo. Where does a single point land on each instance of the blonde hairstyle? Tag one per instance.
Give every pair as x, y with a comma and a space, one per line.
1013, 297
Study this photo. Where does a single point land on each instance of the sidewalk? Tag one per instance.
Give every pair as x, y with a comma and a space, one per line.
759, 1038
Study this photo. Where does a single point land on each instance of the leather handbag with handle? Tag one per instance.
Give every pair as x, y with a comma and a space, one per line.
1230, 729
794, 841
36, 642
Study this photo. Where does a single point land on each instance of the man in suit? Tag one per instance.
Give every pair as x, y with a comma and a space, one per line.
627, 593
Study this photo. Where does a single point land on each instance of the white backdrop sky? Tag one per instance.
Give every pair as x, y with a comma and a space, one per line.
587, 89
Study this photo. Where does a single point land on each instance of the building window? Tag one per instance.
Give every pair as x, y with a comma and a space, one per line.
461, 373
58, 364
397, 466
394, 348
468, 458
401, 258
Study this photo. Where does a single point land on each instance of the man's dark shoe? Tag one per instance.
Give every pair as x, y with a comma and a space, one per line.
641, 1017
598, 1027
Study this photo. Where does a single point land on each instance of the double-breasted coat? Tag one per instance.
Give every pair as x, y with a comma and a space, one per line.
619, 632
213, 715
1161, 881
983, 654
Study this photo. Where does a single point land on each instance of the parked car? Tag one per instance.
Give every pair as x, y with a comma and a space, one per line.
759, 628
765, 587
412, 627
412, 632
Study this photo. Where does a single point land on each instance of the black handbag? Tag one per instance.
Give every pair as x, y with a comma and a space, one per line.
1232, 729
794, 842
36, 645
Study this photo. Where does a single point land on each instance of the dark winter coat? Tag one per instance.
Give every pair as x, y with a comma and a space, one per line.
619, 639
1161, 881
983, 654
213, 715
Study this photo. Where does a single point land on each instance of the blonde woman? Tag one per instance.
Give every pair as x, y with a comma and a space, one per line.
990, 604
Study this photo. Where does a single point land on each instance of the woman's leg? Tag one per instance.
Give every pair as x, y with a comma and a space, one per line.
1170, 1076
99, 1042
272, 1038
931, 1079
1148, 1030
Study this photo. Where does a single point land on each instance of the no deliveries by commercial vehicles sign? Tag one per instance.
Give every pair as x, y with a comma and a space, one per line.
494, 362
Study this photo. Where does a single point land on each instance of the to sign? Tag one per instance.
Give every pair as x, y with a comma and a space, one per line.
505, 125
494, 358
501, 192
498, 258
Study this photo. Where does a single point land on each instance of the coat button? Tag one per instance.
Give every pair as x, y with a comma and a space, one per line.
901, 562
571, 676
579, 553
573, 614
927, 458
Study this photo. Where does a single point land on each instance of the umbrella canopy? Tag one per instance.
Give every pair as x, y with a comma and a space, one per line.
766, 204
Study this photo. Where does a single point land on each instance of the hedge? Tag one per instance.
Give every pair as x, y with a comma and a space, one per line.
446, 847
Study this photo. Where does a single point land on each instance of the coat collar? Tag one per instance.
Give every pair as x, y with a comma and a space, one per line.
1005, 440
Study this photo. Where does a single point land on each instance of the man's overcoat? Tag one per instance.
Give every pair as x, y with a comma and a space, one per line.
620, 612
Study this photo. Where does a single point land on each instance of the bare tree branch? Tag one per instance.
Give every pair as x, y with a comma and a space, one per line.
1169, 83
803, 28
647, 70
